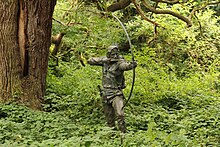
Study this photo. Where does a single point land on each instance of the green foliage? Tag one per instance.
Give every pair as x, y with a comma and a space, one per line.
88, 31
164, 111
180, 49
175, 101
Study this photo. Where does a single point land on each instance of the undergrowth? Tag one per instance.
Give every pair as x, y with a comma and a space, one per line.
167, 111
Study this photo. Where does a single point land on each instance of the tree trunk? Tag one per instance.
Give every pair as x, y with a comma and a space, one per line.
25, 34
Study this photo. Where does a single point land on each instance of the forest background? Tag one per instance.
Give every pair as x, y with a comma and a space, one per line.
175, 101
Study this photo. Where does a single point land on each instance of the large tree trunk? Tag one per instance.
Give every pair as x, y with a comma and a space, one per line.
25, 35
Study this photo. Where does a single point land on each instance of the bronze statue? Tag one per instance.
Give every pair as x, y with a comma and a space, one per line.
113, 83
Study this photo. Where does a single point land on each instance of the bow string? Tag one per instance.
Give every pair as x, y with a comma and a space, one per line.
132, 54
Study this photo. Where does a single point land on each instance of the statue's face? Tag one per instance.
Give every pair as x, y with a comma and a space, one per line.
114, 54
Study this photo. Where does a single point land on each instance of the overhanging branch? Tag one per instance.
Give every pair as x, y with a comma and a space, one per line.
140, 11
201, 8
181, 17
119, 5
170, 1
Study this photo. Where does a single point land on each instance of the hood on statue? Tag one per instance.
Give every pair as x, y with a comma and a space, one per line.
112, 52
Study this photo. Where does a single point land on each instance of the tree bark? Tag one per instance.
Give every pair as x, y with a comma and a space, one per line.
10, 65
25, 34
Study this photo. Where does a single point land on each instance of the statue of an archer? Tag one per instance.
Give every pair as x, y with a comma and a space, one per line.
113, 83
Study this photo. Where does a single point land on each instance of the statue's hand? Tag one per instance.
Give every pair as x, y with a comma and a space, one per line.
134, 64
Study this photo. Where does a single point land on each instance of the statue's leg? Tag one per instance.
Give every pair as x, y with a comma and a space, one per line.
117, 105
109, 114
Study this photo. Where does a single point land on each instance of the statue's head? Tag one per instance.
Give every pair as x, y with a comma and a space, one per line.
112, 52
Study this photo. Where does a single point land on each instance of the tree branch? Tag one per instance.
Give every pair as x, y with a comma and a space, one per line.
152, 9
213, 3
140, 11
201, 8
170, 1
119, 5
155, 35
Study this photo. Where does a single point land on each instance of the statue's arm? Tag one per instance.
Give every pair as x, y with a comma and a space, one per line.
125, 65
96, 61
